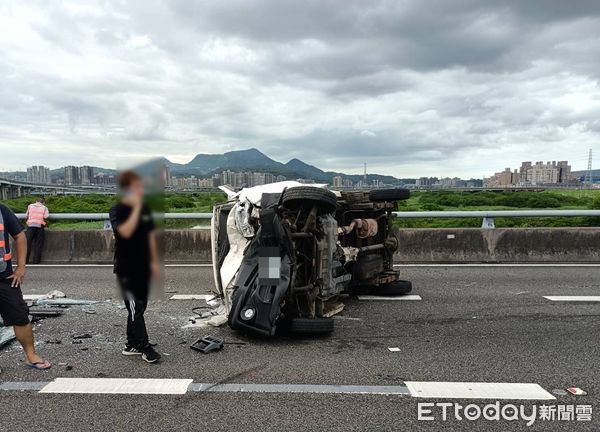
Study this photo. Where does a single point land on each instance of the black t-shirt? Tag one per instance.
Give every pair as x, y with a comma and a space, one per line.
12, 227
132, 255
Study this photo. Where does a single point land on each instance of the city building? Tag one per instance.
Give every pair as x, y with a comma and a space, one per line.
103, 179
427, 181
38, 174
545, 173
530, 174
86, 175
504, 178
337, 181
72, 175
236, 179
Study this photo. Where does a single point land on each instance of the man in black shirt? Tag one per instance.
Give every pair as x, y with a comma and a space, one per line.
136, 261
13, 309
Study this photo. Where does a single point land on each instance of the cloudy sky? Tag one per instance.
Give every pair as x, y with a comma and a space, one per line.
412, 87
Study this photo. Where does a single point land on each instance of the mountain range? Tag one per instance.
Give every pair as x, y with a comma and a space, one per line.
254, 160
205, 165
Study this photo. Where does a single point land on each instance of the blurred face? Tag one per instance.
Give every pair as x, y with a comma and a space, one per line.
136, 188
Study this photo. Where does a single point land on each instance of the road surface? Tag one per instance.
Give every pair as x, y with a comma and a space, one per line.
474, 324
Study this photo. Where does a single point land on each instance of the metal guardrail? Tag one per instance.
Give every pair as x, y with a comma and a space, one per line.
487, 215
104, 216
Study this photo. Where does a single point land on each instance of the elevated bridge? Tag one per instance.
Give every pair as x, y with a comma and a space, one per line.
14, 189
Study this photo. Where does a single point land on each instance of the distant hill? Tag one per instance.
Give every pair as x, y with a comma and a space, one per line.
234, 160
255, 160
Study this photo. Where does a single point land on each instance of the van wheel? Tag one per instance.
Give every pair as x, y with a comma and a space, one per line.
306, 196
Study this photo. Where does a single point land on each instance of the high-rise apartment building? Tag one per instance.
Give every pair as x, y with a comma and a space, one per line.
38, 174
72, 175
86, 175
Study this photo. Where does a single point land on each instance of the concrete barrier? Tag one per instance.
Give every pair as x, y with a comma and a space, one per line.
500, 245
463, 245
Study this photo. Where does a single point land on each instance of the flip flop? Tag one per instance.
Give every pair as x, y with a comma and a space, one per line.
43, 365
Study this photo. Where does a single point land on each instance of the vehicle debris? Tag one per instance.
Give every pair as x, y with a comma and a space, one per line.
576, 391
7, 334
43, 313
64, 302
393, 349
217, 320
207, 344
82, 336
192, 297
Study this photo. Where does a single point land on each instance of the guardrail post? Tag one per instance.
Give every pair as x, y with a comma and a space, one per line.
488, 223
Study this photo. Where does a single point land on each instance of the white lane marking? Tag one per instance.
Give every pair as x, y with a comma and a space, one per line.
574, 298
192, 297
117, 386
387, 298
479, 390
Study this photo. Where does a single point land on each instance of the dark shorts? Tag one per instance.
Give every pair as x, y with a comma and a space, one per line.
135, 286
13, 309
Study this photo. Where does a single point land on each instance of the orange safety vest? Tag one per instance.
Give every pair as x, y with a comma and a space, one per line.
36, 213
5, 256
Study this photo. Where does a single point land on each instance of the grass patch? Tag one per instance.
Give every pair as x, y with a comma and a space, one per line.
203, 202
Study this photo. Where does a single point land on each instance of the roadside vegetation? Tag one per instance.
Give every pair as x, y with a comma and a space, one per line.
488, 200
419, 201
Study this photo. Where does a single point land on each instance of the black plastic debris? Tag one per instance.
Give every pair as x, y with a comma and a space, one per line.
44, 313
82, 336
207, 344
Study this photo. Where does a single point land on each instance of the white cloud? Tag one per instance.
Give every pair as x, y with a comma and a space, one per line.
458, 88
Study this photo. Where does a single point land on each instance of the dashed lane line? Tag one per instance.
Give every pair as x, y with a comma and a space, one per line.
410, 297
117, 386
573, 298
418, 389
478, 390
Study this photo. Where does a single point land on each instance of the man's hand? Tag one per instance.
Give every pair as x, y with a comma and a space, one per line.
17, 277
156, 270
133, 200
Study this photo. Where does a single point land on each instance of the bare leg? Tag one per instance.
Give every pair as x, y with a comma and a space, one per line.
24, 335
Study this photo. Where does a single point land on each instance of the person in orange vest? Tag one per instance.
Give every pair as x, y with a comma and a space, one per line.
37, 214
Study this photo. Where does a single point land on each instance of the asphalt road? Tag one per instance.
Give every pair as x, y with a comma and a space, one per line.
474, 324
